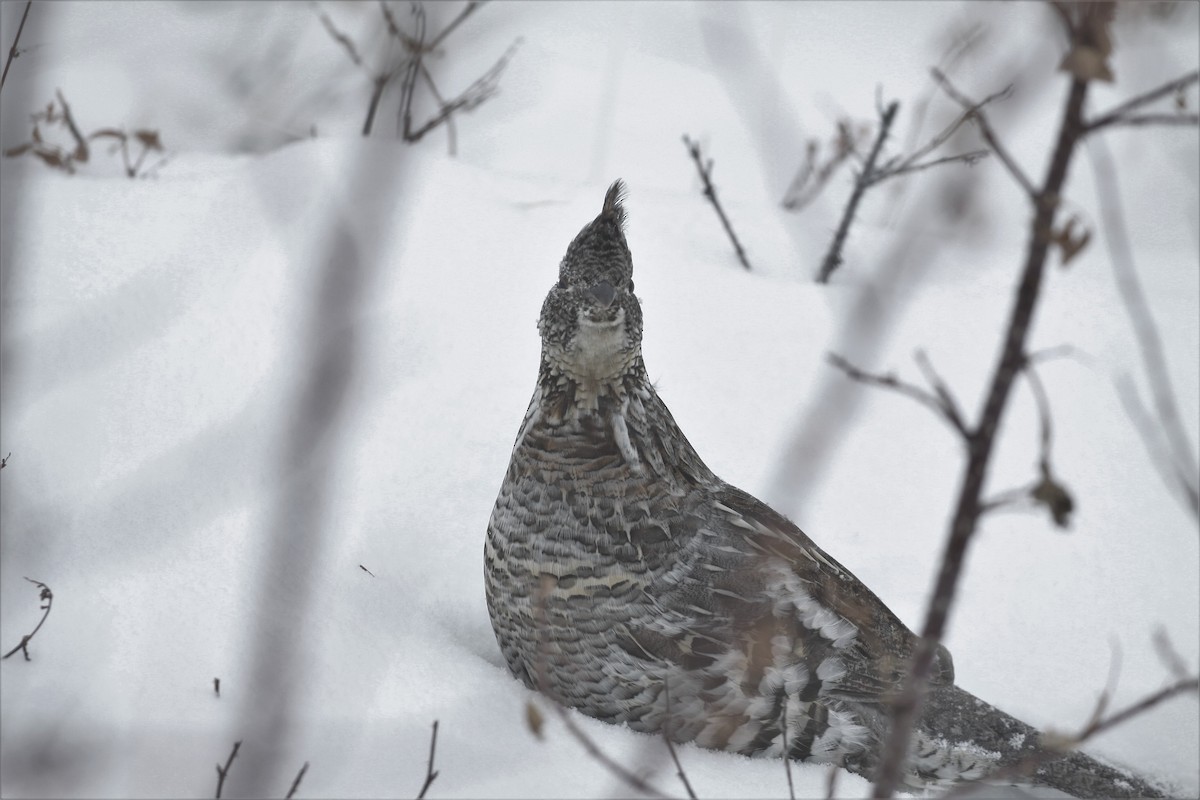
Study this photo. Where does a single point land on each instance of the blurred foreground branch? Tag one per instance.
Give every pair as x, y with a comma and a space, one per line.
1164, 434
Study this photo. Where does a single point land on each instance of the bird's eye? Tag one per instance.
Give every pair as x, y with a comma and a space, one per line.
631, 284
562, 283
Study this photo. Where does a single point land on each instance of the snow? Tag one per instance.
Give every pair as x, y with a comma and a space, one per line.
158, 342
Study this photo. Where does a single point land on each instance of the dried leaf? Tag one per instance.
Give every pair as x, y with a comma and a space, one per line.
81, 152
1057, 500
1056, 741
1071, 240
149, 139
53, 158
534, 719
1087, 64
1092, 45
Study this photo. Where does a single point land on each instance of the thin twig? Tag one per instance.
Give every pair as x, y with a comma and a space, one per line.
430, 772
1168, 655
222, 772
341, 39
787, 760
944, 408
946, 401
906, 709
470, 9
1120, 114
710, 192
831, 781
944, 135
1157, 119
811, 177
4, 461
484, 87
12, 51
970, 158
296, 783
1170, 429
975, 112
451, 133
412, 67
670, 745
45, 594
600, 756
543, 686
81, 147
833, 257
1042, 401
912, 163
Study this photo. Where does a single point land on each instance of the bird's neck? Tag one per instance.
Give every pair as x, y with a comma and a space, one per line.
577, 388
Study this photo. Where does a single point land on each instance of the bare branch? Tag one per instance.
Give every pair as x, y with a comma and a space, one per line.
910, 164
705, 170
1121, 114
1140, 707
412, 68
812, 176
944, 408
430, 773
45, 594
1157, 119
1181, 457
223, 771
296, 783
975, 112
341, 39
12, 51
484, 87
906, 708
470, 9
833, 257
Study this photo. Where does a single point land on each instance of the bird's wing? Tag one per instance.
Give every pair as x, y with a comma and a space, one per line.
754, 586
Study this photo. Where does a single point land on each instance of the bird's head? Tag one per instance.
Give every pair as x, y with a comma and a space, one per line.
591, 322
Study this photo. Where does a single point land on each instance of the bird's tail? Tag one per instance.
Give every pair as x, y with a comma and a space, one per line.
976, 739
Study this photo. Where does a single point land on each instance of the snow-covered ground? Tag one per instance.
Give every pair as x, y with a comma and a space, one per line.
159, 347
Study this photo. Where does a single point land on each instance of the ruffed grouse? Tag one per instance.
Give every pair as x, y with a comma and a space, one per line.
627, 580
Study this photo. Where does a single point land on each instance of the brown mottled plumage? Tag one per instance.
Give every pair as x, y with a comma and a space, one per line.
621, 573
